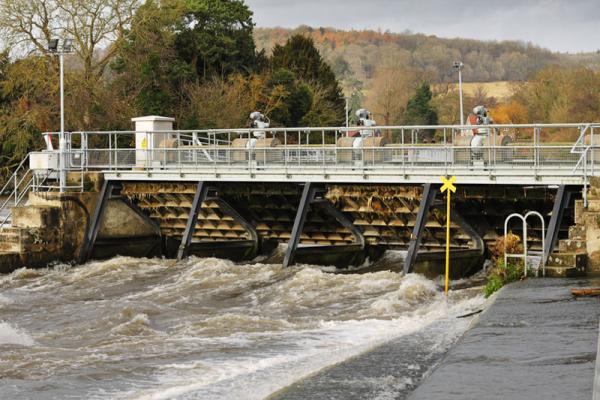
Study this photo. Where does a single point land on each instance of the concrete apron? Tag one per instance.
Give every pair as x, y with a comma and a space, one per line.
534, 342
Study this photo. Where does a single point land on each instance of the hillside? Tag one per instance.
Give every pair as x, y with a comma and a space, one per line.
357, 55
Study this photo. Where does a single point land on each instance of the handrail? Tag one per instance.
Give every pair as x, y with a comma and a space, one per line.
23, 180
581, 138
11, 179
580, 147
348, 129
18, 199
525, 255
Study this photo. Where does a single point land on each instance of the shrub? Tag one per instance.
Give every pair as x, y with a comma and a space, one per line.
502, 273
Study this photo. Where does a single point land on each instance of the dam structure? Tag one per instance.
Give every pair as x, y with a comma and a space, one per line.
331, 196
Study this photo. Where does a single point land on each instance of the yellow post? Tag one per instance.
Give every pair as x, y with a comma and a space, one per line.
449, 188
447, 242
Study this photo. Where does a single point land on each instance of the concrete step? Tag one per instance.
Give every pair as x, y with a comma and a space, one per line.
575, 260
563, 272
571, 245
577, 232
35, 216
593, 205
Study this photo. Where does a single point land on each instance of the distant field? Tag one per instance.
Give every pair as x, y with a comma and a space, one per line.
499, 89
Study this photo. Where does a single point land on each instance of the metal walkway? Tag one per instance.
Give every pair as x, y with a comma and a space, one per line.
394, 154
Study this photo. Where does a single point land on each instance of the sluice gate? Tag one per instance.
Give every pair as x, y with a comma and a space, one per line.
227, 193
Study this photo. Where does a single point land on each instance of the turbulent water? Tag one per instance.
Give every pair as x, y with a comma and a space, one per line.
202, 328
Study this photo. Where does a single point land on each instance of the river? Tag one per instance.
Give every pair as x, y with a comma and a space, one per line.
204, 328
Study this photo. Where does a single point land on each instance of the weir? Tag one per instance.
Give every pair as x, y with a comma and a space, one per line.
331, 196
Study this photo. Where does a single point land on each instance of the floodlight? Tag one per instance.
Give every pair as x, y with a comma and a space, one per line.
67, 45
53, 45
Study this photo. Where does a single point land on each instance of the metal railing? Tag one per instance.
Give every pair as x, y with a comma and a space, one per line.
17, 187
530, 258
396, 150
583, 147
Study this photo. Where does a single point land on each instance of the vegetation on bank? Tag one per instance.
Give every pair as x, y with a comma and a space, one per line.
503, 273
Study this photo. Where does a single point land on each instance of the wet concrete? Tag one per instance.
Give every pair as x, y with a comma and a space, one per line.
390, 371
534, 342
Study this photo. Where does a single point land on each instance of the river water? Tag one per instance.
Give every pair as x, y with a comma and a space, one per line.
204, 328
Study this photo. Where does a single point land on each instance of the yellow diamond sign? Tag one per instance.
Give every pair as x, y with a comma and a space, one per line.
448, 184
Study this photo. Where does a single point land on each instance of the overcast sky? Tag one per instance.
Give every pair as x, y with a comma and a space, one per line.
559, 25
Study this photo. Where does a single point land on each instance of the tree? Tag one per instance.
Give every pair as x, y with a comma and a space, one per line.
419, 110
150, 75
94, 25
389, 93
322, 112
300, 56
220, 103
26, 107
295, 98
215, 38
511, 112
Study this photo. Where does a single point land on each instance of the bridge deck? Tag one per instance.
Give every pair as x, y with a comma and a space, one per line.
332, 174
508, 154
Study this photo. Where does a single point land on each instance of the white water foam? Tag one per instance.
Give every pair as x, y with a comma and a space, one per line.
256, 376
4, 301
11, 335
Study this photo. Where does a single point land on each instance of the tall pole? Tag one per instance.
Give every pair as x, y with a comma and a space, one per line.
62, 93
61, 138
449, 188
347, 110
447, 241
461, 94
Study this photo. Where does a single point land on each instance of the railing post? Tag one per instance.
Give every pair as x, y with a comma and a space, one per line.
323, 152
592, 145
585, 180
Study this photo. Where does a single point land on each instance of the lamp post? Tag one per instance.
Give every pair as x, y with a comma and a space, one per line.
458, 66
56, 47
346, 109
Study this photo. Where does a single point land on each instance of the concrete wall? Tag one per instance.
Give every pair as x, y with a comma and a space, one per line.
52, 227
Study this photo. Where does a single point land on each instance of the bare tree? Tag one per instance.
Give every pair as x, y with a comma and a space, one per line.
94, 25
387, 97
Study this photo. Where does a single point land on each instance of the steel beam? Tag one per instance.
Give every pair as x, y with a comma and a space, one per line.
344, 221
228, 209
190, 226
308, 194
94, 225
561, 201
136, 209
429, 192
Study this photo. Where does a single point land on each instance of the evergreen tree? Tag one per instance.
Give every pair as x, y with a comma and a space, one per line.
419, 110
215, 38
149, 72
295, 98
300, 56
